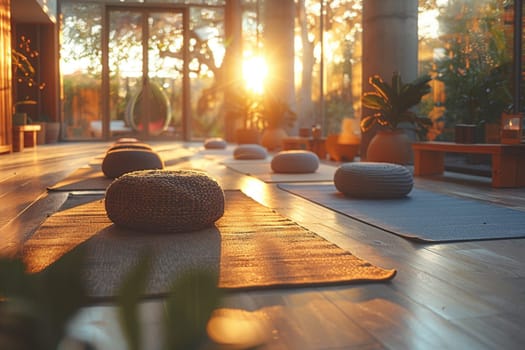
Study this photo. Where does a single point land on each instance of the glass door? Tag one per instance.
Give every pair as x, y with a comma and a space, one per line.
145, 73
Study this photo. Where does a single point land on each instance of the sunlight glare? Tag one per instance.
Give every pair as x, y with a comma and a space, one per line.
255, 71
428, 24
255, 189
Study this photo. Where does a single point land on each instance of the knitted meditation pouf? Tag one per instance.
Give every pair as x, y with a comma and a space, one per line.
250, 151
295, 161
164, 201
122, 145
127, 140
125, 160
215, 143
373, 180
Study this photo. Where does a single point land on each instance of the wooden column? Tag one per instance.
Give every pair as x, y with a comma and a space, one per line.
279, 48
231, 74
390, 43
6, 101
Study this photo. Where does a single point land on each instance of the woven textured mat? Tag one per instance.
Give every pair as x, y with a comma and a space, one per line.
91, 177
263, 171
88, 178
250, 247
422, 216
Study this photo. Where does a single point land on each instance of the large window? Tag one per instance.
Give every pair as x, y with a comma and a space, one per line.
469, 48
467, 45
179, 110
81, 69
329, 63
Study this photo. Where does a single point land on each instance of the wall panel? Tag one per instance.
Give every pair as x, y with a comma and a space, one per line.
5, 77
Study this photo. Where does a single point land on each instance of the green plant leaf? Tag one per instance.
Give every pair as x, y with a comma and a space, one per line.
397, 84
192, 298
42, 303
61, 291
374, 101
381, 87
368, 122
393, 102
130, 292
13, 279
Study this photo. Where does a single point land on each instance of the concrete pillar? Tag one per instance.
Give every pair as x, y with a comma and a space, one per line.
390, 43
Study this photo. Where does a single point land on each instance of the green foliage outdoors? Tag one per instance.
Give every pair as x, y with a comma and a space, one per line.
476, 63
275, 112
260, 111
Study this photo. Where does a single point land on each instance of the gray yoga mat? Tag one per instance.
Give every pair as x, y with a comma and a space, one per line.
423, 215
262, 170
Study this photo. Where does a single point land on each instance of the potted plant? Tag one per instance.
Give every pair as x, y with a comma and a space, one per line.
241, 106
276, 115
25, 75
37, 308
393, 103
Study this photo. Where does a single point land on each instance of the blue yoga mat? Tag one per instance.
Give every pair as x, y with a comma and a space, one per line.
422, 215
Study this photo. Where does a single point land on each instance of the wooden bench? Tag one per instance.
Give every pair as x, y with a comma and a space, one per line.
25, 136
508, 161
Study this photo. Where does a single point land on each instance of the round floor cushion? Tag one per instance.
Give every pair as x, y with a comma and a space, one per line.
164, 201
125, 160
122, 145
373, 180
250, 151
215, 143
295, 161
127, 140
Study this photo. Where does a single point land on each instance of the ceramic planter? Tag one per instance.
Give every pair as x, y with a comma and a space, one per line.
390, 146
247, 136
272, 138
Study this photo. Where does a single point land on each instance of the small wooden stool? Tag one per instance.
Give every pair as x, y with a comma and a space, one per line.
25, 136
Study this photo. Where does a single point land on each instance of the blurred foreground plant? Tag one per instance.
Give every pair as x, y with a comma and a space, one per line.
35, 308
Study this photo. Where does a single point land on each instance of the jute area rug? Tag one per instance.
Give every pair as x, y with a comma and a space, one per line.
250, 247
422, 216
86, 178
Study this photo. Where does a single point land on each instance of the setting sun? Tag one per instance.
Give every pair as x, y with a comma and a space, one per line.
255, 71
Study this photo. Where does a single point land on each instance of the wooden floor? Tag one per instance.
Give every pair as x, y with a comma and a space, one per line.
468, 295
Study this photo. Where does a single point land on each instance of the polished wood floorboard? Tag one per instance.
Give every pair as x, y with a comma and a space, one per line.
465, 295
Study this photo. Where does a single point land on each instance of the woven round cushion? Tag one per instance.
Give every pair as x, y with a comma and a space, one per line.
127, 140
295, 161
164, 201
250, 151
215, 143
122, 145
125, 160
373, 180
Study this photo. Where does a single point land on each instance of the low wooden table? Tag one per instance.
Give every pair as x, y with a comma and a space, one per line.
25, 136
508, 161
